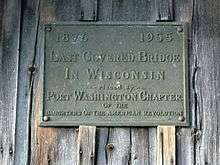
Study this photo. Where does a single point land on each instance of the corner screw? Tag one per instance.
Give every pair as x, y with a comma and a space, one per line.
179, 29
48, 28
45, 118
181, 118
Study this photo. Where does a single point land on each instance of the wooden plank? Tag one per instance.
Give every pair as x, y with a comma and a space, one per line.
206, 49
143, 140
9, 58
87, 134
28, 39
139, 147
66, 146
118, 147
1, 22
135, 10
115, 145
186, 136
123, 10
86, 145
152, 146
64, 140
165, 10
185, 146
43, 140
166, 140
139, 10
88, 10
166, 145
51, 145
66, 11
101, 142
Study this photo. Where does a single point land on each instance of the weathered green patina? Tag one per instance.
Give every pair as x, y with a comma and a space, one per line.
115, 74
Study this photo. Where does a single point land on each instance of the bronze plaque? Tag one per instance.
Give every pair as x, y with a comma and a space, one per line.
115, 74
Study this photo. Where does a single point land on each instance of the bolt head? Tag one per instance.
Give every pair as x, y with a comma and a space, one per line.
92, 155
48, 28
181, 118
45, 118
179, 29
10, 151
31, 69
110, 146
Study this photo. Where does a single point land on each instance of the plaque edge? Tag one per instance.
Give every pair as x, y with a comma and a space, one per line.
187, 114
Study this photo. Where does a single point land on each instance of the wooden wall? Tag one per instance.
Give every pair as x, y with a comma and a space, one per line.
23, 142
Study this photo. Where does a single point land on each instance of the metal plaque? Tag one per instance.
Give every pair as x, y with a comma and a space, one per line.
115, 74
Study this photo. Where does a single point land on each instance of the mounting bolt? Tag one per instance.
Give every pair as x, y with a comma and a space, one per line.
171, 161
10, 151
45, 118
179, 29
48, 28
82, 14
31, 69
92, 156
181, 118
1, 149
135, 156
110, 146
80, 152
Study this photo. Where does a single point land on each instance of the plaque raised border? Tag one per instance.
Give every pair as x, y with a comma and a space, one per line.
98, 116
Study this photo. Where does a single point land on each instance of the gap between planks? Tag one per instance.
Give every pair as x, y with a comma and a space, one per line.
166, 145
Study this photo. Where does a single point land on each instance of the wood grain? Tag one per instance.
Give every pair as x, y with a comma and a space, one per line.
117, 144
140, 146
138, 10
206, 49
86, 145
101, 145
9, 58
119, 153
185, 137
50, 145
27, 70
87, 134
165, 11
21, 29
88, 10
166, 139
166, 145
